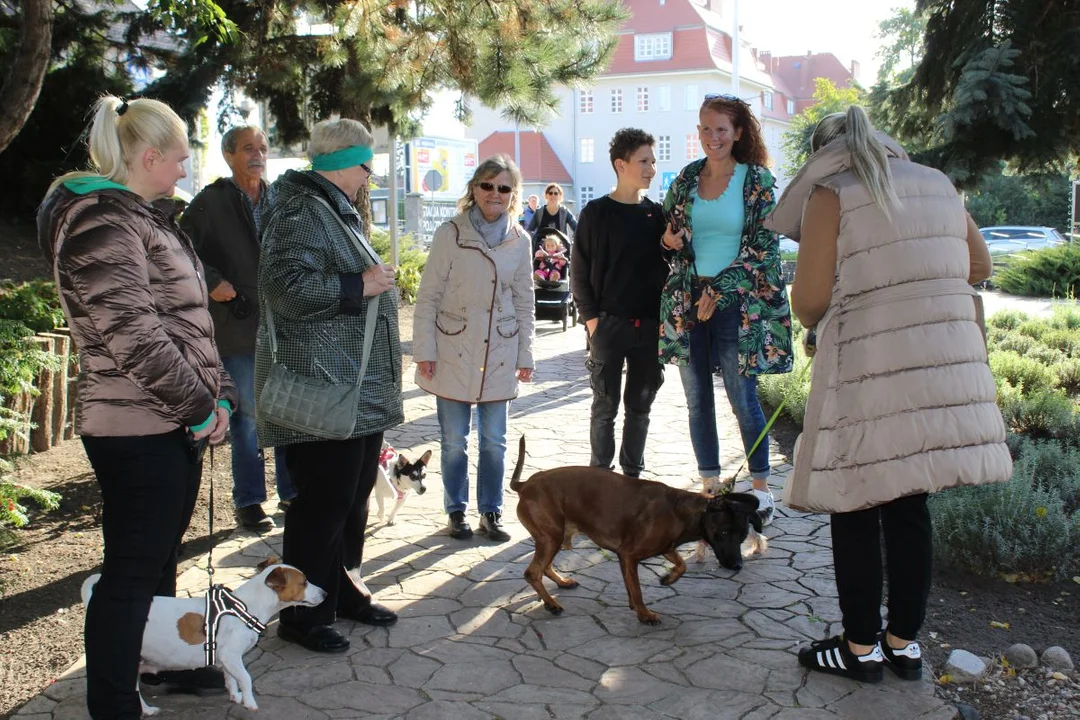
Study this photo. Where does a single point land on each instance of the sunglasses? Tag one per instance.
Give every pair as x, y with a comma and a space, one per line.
489, 186
553, 192
367, 169
725, 96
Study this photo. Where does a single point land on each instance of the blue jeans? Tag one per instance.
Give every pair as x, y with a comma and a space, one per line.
248, 466
455, 422
714, 345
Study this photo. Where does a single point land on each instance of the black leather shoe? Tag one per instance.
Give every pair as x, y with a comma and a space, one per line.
196, 681
459, 526
320, 639
253, 517
373, 614
491, 525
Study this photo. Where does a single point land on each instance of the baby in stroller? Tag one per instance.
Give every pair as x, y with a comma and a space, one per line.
550, 260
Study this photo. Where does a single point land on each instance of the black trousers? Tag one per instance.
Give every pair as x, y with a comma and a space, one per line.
856, 540
617, 342
149, 485
324, 525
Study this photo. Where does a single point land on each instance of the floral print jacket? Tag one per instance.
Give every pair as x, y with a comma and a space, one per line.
754, 280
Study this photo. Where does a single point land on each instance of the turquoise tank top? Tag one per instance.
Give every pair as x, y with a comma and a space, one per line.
718, 226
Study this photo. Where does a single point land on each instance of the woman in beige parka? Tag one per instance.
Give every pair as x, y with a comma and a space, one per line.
473, 334
902, 401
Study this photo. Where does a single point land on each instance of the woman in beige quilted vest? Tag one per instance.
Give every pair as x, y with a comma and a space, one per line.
902, 402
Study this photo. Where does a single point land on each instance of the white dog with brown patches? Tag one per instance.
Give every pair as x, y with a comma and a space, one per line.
175, 634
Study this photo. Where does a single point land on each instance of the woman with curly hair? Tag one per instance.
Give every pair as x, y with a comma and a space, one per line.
724, 308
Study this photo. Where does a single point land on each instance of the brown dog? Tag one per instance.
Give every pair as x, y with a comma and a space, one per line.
636, 519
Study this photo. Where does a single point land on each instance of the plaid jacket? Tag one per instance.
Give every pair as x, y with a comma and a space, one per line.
304, 252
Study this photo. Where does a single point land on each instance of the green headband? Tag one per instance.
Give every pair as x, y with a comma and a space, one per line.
344, 158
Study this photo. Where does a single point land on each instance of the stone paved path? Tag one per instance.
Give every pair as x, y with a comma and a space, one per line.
473, 642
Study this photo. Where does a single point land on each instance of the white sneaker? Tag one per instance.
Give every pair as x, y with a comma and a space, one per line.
766, 505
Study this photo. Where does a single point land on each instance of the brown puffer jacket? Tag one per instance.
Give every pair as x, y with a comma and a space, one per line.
133, 292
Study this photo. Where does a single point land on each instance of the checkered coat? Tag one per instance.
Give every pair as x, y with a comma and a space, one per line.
304, 252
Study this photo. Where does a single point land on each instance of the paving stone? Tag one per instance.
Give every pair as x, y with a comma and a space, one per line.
485, 622
410, 632
665, 671
425, 606
632, 686
538, 671
39, 704
412, 670
296, 680
624, 712
763, 595
614, 651
563, 632
526, 693
721, 671
706, 632
389, 699
580, 666
447, 711
516, 711
482, 677
698, 704
283, 708
886, 704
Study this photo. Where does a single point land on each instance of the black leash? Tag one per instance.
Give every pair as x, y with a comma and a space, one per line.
219, 599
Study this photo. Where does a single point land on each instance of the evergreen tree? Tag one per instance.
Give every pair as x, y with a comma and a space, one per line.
795, 144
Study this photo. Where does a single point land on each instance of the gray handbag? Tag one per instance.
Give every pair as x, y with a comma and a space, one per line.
310, 405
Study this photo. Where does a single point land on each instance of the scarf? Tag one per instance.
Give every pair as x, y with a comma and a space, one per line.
493, 232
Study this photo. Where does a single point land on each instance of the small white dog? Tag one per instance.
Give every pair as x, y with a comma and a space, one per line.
397, 479
175, 634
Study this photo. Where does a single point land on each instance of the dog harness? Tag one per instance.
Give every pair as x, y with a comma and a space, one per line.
221, 602
386, 457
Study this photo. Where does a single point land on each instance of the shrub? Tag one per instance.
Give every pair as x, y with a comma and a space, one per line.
1067, 375
1064, 317
1012, 342
1042, 414
35, 304
13, 514
1054, 272
1053, 466
794, 387
1036, 329
1007, 319
1022, 526
1063, 340
1047, 356
411, 261
1020, 370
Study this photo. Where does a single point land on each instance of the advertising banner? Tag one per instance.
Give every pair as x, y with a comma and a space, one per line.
440, 168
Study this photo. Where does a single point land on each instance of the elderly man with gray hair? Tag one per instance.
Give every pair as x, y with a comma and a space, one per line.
329, 321
224, 223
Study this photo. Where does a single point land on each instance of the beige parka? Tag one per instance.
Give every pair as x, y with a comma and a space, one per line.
475, 313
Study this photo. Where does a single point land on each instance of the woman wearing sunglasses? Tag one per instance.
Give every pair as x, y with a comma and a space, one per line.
724, 308
554, 214
473, 334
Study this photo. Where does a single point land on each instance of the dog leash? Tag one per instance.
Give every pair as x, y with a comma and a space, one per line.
219, 599
768, 426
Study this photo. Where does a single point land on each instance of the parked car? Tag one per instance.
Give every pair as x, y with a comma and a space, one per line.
1007, 239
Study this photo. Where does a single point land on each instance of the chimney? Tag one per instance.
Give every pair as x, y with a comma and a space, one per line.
855, 71
805, 81
765, 56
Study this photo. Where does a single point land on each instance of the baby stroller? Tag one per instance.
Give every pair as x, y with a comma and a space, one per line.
551, 278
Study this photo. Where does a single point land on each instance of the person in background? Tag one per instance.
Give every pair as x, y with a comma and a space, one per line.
554, 214
317, 276
224, 222
902, 400
725, 307
619, 272
473, 336
531, 207
151, 391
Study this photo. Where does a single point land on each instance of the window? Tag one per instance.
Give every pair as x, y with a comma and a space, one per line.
790, 107
656, 46
693, 146
767, 100
588, 150
585, 102
616, 100
663, 148
585, 195
693, 99
642, 99
663, 98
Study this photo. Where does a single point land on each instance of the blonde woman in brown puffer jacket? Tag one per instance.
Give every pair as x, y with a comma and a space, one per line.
151, 387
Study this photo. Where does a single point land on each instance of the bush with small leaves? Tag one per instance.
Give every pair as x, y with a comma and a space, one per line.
1065, 317
411, 261
791, 388
1041, 414
1054, 272
1013, 342
1020, 370
1065, 341
1034, 329
1067, 375
1007, 319
1047, 356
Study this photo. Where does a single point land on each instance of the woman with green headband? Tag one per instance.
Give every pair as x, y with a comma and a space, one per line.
317, 277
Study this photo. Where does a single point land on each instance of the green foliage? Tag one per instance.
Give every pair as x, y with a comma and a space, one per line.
1027, 526
1007, 319
1004, 198
1020, 370
34, 304
795, 143
205, 18
13, 511
1043, 413
902, 46
411, 262
793, 388
1054, 272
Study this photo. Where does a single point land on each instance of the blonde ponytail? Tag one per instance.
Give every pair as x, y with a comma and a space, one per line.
869, 159
120, 131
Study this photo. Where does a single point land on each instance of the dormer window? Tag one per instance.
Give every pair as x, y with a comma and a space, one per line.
654, 46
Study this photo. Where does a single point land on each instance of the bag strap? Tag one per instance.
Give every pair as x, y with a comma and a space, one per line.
373, 304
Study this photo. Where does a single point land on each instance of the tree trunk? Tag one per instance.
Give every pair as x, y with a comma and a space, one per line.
23, 82
352, 109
